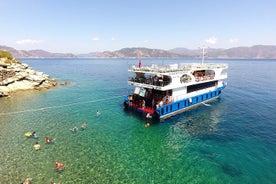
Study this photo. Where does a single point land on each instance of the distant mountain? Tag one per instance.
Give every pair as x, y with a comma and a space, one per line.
254, 52
139, 53
45, 54
88, 55
16, 53
35, 53
184, 51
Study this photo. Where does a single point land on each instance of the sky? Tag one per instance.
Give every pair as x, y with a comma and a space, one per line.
83, 26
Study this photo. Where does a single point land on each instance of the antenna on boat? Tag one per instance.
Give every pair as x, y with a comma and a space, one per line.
203, 54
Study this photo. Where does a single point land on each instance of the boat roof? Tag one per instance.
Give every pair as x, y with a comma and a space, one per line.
172, 68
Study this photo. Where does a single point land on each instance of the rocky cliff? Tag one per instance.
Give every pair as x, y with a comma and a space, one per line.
15, 76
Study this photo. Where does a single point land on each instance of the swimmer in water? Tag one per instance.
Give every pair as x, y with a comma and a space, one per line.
53, 182
148, 116
34, 135
74, 129
37, 146
83, 126
27, 181
98, 113
59, 166
49, 140
147, 124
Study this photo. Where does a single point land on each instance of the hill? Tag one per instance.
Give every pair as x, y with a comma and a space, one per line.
35, 53
254, 52
88, 55
139, 53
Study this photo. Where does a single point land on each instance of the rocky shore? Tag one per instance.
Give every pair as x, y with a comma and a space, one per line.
15, 76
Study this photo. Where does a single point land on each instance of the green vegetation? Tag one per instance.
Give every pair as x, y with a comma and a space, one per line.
9, 58
5, 54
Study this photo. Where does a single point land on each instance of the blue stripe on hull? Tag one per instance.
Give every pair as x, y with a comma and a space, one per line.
179, 106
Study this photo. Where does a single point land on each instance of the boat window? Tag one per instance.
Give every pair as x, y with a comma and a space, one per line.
202, 75
151, 79
197, 87
185, 78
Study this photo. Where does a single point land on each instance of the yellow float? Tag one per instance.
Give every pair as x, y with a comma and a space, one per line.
28, 134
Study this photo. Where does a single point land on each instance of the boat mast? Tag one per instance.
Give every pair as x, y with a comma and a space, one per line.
202, 61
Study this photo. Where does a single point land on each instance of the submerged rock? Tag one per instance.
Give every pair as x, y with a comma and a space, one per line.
15, 76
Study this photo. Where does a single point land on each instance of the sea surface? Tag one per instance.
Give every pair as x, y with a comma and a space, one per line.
231, 141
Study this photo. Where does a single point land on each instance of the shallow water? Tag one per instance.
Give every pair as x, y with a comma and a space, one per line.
231, 141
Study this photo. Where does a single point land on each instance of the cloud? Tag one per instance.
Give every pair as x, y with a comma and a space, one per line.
233, 40
28, 42
212, 40
112, 39
95, 39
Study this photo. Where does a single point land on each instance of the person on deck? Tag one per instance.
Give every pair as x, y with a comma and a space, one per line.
139, 64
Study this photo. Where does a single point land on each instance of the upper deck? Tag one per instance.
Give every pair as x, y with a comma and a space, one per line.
178, 68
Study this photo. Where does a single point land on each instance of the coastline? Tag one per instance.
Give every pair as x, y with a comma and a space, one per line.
16, 76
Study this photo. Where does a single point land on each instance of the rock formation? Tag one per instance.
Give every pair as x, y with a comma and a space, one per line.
15, 76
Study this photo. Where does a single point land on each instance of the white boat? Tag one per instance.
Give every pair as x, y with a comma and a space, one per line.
163, 91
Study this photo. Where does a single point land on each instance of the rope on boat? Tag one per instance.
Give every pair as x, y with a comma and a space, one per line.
58, 106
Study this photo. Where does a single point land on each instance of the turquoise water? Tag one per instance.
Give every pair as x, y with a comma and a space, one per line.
231, 141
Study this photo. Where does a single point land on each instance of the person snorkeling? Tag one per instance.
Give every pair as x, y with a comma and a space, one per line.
83, 126
53, 182
37, 146
147, 124
49, 140
31, 134
34, 135
27, 181
74, 129
59, 166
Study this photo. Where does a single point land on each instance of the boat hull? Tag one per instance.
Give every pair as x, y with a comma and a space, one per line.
177, 107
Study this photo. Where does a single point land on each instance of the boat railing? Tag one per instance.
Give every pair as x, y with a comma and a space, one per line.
178, 67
